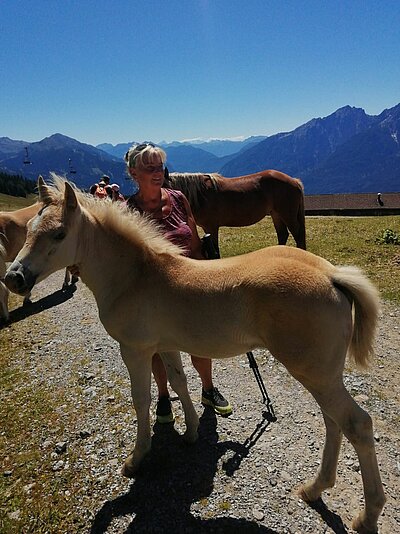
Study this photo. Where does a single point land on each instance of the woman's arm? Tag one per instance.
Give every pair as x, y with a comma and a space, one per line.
196, 242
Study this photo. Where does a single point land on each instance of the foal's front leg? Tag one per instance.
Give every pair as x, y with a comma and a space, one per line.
139, 367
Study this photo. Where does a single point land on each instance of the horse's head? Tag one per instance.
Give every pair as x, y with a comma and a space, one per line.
50, 241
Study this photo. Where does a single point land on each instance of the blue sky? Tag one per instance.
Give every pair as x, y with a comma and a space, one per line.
123, 70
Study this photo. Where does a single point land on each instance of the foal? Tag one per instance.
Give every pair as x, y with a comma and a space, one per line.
290, 301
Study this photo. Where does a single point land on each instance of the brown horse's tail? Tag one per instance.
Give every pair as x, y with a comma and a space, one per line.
365, 298
301, 219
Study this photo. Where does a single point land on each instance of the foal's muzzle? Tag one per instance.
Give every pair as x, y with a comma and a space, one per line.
19, 279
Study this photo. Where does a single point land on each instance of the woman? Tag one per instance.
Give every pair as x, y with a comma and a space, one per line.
171, 210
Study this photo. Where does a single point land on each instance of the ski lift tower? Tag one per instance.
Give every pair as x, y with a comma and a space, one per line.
71, 168
27, 161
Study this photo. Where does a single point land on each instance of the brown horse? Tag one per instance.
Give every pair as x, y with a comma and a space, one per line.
306, 311
12, 237
217, 201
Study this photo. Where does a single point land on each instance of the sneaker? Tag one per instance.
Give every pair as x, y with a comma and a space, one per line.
217, 401
164, 410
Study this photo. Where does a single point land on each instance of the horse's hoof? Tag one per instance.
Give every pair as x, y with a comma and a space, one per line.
190, 437
359, 527
307, 494
64, 287
128, 471
27, 302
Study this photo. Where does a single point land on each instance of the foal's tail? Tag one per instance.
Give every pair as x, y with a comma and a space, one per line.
365, 297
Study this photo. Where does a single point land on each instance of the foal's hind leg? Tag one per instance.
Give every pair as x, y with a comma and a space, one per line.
178, 381
280, 228
326, 475
356, 425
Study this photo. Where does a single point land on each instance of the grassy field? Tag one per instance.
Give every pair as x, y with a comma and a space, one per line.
9, 203
28, 414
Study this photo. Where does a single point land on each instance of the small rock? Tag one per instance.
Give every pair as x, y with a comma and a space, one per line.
15, 515
58, 465
61, 447
258, 514
111, 398
84, 434
7, 473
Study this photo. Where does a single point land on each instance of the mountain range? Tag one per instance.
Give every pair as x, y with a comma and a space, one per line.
345, 152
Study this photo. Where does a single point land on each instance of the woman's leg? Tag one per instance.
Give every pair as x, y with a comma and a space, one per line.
164, 409
210, 395
204, 368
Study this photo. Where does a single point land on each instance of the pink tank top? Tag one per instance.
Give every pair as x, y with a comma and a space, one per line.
175, 225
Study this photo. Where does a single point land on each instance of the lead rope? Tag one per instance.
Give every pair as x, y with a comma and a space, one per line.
210, 253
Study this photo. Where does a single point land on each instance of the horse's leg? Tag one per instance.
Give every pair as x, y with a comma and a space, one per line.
3, 292
326, 475
139, 368
178, 381
27, 299
356, 425
280, 228
215, 239
298, 231
4, 302
66, 279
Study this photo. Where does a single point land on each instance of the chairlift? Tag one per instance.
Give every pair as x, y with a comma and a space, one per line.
27, 161
71, 168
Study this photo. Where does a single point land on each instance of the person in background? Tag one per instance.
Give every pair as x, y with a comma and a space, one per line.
171, 210
99, 190
106, 179
116, 195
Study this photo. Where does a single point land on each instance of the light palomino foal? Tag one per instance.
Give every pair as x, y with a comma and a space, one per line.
290, 301
12, 237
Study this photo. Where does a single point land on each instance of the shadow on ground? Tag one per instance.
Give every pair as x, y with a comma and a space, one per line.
171, 479
176, 475
45, 303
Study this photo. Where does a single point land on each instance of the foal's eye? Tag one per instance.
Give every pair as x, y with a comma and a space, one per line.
59, 236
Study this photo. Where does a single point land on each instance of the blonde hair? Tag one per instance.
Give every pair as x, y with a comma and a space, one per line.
144, 154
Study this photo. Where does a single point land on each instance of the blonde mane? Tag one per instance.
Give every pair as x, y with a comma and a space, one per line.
193, 185
127, 223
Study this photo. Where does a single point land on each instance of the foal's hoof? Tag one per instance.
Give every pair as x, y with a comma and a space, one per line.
307, 493
190, 437
359, 527
128, 470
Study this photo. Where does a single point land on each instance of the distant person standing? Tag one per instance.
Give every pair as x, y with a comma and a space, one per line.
116, 195
99, 190
102, 189
106, 179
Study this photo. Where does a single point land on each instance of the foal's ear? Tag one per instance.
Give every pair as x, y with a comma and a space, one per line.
45, 194
70, 200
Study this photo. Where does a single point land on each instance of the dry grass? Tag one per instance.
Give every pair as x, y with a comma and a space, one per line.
9, 203
341, 240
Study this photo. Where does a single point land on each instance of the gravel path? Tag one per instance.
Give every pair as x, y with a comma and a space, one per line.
242, 473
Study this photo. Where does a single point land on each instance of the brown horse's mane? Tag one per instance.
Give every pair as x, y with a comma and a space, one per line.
194, 185
117, 217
